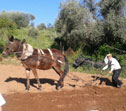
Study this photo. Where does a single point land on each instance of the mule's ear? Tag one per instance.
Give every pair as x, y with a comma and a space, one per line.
11, 38
24, 41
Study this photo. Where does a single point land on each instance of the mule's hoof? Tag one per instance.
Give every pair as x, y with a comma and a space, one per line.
39, 89
58, 87
39, 86
26, 89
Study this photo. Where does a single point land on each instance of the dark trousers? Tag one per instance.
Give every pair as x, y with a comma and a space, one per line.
115, 76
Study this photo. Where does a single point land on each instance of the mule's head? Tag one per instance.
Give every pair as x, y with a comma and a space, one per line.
11, 46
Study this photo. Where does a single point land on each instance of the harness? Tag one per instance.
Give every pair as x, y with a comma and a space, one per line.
41, 52
51, 53
27, 51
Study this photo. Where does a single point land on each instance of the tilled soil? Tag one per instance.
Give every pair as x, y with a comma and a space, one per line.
81, 92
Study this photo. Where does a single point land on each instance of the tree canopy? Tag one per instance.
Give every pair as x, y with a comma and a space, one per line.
91, 24
20, 18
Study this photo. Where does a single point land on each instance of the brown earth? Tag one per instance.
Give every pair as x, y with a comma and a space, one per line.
82, 92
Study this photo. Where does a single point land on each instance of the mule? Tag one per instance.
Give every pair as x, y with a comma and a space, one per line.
34, 59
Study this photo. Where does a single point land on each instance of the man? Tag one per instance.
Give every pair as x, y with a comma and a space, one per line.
2, 102
115, 69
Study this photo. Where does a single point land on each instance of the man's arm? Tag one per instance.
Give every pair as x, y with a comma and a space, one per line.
104, 68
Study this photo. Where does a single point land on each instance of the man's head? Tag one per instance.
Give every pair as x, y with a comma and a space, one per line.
109, 56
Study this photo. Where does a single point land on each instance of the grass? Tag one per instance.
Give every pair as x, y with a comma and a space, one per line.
10, 60
43, 40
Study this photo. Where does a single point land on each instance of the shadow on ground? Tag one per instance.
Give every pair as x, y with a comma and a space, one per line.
32, 81
102, 79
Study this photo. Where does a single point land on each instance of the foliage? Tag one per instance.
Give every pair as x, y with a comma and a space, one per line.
94, 34
71, 24
79, 25
115, 6
7, 27
114, 29
42, 40
41, 26
33, 32
91, 6
49, 26
20, 18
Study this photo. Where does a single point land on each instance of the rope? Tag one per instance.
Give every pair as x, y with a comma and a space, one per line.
76, 78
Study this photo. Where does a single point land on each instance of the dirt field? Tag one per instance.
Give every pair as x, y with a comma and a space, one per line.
82, 92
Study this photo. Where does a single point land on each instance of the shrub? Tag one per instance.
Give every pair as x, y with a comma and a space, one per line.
33, 33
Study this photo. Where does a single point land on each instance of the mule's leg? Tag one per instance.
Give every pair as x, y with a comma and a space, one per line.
28, 78
57, 68
37, 78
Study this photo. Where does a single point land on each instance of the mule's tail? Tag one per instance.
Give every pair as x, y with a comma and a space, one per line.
66, 69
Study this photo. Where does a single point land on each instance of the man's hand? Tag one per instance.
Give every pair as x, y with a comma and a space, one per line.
110, 72
102, 71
